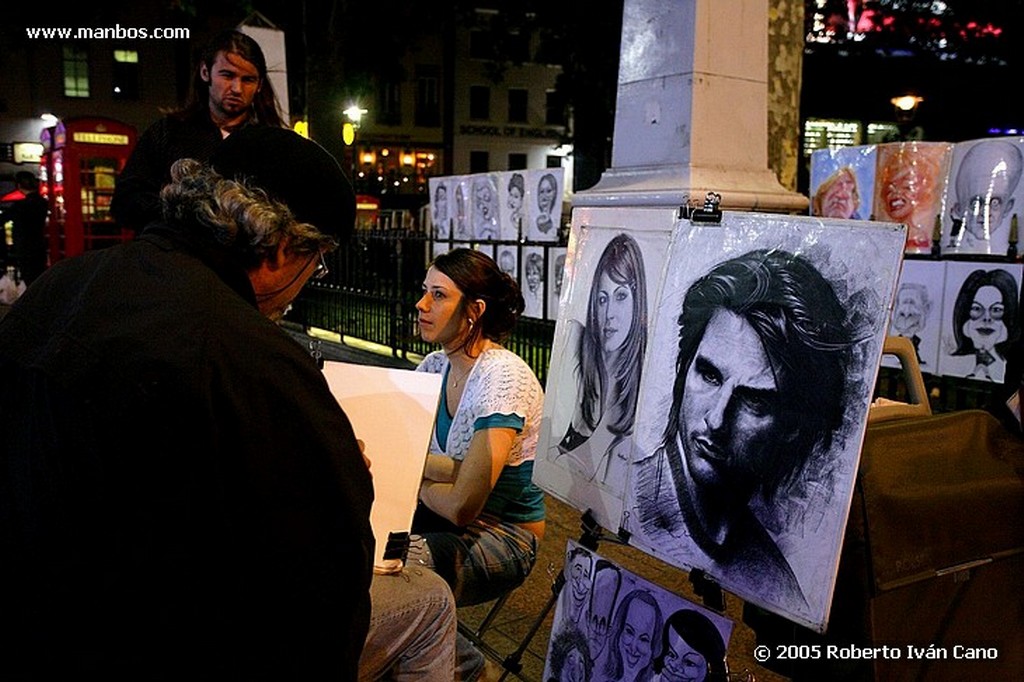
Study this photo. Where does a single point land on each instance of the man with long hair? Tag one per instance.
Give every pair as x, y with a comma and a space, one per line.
764, 349
229, 90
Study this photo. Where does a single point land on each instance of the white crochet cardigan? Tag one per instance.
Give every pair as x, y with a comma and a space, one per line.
499, 383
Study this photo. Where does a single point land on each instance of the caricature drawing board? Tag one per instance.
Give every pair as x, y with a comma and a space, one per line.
533, 273
917, 311
984, 190
973, 348
507, 203
543, 211
484, 209
556, 279
460, 210
860, 161
571, 476
910, 182
440, 200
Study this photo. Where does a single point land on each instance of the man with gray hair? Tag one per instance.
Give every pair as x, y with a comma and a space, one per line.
182, 496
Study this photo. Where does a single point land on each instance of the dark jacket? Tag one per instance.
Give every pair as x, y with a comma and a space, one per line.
136, 200
181, 496
28, 233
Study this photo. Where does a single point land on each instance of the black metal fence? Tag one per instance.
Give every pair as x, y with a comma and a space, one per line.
371, 291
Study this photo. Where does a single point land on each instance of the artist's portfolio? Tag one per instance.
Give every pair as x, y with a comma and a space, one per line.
933, 558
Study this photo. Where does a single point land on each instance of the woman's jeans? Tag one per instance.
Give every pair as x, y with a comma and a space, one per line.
482, 562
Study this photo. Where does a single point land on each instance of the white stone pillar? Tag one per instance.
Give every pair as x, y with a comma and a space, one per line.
692, 109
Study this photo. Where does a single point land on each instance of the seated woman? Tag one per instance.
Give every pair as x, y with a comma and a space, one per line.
480, 514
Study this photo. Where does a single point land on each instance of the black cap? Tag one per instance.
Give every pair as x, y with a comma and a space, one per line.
294, 170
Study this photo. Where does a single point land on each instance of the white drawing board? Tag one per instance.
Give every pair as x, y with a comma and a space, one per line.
764, 341
766, 346
392, 411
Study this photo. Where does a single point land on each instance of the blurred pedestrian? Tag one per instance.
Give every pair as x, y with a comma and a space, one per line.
28, 228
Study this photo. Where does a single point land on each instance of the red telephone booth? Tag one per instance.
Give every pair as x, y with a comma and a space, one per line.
82, 158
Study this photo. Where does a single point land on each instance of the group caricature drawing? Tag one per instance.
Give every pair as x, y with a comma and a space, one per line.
610, 624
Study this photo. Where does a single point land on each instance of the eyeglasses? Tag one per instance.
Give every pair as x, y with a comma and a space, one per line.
321, 268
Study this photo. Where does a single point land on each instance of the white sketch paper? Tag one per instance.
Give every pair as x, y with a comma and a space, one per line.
392, 412
980, 319
611, 624
766, 345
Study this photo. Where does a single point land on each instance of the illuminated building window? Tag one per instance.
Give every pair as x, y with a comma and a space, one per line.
76, 71
126, 74
831, 134
882, 132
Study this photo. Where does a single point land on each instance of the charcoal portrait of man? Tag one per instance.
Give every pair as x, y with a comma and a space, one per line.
763, 354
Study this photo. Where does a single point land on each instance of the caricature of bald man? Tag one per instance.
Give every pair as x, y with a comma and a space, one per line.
985, 182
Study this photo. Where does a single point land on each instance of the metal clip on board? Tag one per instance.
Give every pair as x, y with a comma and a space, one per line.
710, 213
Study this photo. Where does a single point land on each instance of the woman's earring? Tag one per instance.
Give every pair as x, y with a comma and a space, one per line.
471, 322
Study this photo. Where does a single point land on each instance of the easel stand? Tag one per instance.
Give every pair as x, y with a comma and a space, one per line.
589, 538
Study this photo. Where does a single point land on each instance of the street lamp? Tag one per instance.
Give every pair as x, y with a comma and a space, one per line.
354, 113
906, 107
